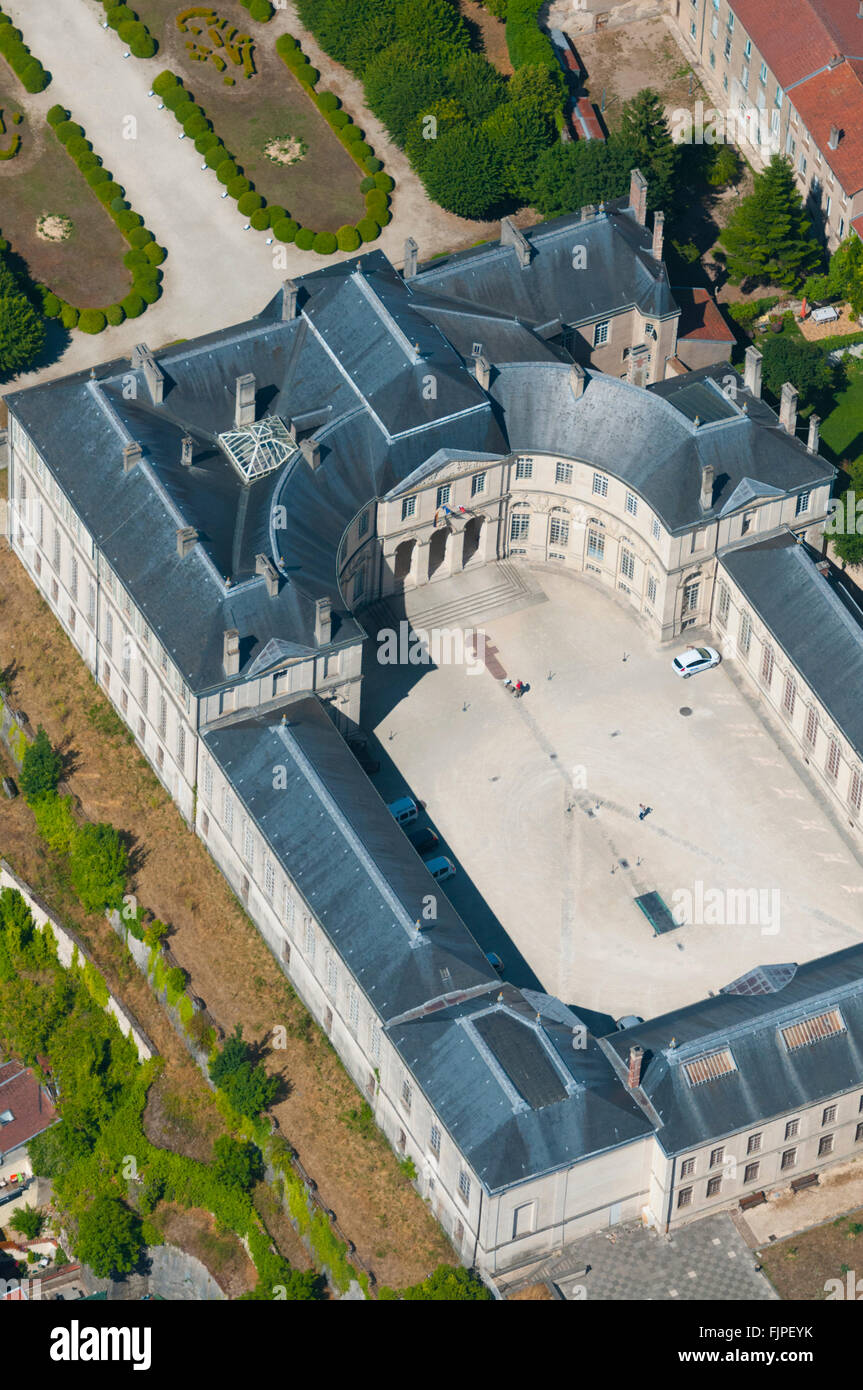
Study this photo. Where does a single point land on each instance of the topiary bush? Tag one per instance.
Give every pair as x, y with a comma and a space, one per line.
249, 202
328, 101
115, 315
348, 238
88, 160
238, 186
139, 236
149, 293
196, 126
205, 142
69, 316
51, 306
127, 219
260, 219
367, 184
260, 10
359, 150
67, 130
226, 171
384, 182
119, 14
285, 45
109, 192
174, 97
133, 305
339, 119
164, 82
91, 321
325, 243
368, 229
377, 201
276, 213
373, 165
56, 114
305, 239
215, 156
78, 145
285, 229
154, 253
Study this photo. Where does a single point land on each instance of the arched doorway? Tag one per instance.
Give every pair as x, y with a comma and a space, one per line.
404, 561
472, 534
437, 550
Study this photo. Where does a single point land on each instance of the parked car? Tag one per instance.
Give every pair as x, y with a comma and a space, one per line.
695, 659
424, 840
494, 959
441, 868
629, 1021
404, 810
360, 750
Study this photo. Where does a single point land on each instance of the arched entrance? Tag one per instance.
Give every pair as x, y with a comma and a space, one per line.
403, 561
437, 550
472, 534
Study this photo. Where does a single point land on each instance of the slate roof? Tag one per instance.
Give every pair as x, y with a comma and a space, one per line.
809, 618
769, 1080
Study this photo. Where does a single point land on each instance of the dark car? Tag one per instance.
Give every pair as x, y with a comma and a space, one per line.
424, 841
360, 750
9, 788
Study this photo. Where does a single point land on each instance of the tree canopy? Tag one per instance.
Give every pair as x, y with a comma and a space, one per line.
109, 1237
40, 768
770, 239
22, 327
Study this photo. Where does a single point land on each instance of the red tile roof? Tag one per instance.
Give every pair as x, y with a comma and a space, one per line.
700, 317
798, 38
31, 1109
835, 98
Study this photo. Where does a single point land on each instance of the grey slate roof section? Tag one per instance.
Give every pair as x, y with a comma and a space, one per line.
769, 1080
620, 272
809, 620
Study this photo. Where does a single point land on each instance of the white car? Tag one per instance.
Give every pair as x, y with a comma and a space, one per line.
695, 659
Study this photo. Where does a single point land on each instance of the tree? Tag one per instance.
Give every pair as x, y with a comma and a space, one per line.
570, 176
845, 276
805, 365
519, 136
109, 1237
237, 1164
770, 239
41, 767
644, 129
475, 85
447, 1284
400, 84
724, 167
98, 866
463, 172
28, 1222
244, 1081
22, 328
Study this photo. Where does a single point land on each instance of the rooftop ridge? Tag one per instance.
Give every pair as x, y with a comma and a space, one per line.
379, 308
773, 1018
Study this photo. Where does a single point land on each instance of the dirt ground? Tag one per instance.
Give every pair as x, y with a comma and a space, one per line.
847, 322
229, 966
620, 62
194, 1230
799, 1267
491, 33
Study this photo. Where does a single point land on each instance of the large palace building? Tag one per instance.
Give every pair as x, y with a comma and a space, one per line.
210, 524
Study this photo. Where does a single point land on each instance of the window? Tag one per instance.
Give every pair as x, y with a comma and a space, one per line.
109, 633
801, 164
55, 557
841, 228
407, 1094
627, 564
828, 1116
442, 495
833, 759
778, 98
651, 589
563, 473
730, 21
687, 1168
825, 1145
713, 32
519, 525
227, 811
725, 80
811, 730
524, 468
73, 578
248, 843
600, 485
714, 1187
208, 783
722, 605
727, 55
751, 1171
716, 1156
145, 687
746, 523
656, 529
309, 941
332, 974
690, 597
163, 716
600, 333
684, 1197
747, 49
855, 790
375, 1041
409, 506
789, 1158
464, 1185
269, 879
181, 747
632, 504
434, 1141
693, 29
559, 530
802, 504
288, 908
762, 74
767, 664
788, 696
477, 484
359, 583
744, 78
363, 524
858, 1134
91, 604
524, 1220
595, 544
753, 1145
792, 1129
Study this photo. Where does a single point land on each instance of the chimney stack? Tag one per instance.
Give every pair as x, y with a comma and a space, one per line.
577, 380
511, 236
411, 253
588, 211
187, 444
265, 566
187, 537
638, 196
231, 652
636, 1061
833, 141
823, 568
788, 409
658, 234
752, 372
244, 406
482, 370
311, 452
706, 499
814, 433
143, 360
323, 621
289, 300
132, 454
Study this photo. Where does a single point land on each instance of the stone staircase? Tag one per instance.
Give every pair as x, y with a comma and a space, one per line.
470, 599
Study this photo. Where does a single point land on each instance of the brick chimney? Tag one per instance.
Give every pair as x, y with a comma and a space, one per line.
411, 255
511, 236
814, 433
323, 621
143, 360
289, 300
658, 235
482, 370
231, 652
132, 454
265, 566
638, 196
706, 499
788, 408
244, 403
823, 567
752, 371
311, 452
577, 380
187, 538
636, 1061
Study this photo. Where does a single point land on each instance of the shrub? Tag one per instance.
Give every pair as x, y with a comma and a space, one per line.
367, 184
56, 114
91, 321
28, 1222
328, 101
98, 866
373, 165
41, 767
276, 213
226, 171
305, 239
68, 130
139, 236
245, 1082
285, 45
107, 191
109, 1237
51, 306
164, 82
133, 305
260, 10
325, 243
78, 145
132, 31
119, 14
174, 97
384, 218
368, 229
33, 76
54, 821
127, 219
348, 238
359, 149
205, 142
69, 316
97, 175
339, 119
260, 219
377, 200
148, 292
238, 186
249, 202
114, 315
215, 156
154, 253
186, 110
285, 229
88, 160
196, 126
384, 182
236, 1163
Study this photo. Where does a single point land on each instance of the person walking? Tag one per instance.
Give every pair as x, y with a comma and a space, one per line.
642, 810
519, 689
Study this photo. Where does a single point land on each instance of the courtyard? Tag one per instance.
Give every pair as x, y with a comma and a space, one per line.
536, 801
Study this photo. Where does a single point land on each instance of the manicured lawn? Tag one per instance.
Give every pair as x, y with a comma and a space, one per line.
322, 190
87, 269
842, 430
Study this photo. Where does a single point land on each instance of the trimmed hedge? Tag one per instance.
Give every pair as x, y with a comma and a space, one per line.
56, 114
132, 30
133, 305
29, 71
91, 320
325, 244
249, 202
348, 238
261, 10
305, 239
260, 219
368, 229
285, 229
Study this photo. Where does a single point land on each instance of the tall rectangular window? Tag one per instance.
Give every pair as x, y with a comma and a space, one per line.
767, 664
627, 564
723, 605
559, 530
434, 1140
73, 578
145, 687
208, 783
109, 633
833, 759
802, 504
651, 589
656, 529
524, 468
690, 597
595, 544
519, 525
855, 790
811, 730
181, 747
442, 495
477, 484
310, 940
409, 506
600, 333
363, 524
563, 473
632, 504
163, 716
228, 811
269, 880
600, 485
788, 696
248, 843
744, 634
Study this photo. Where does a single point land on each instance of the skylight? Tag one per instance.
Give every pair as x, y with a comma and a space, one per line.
813, 1030
710, 1066
259, 448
